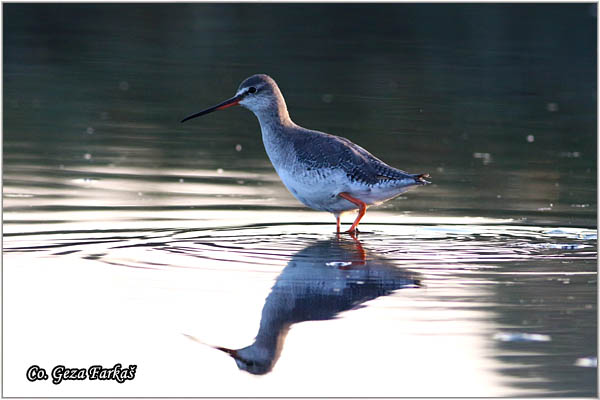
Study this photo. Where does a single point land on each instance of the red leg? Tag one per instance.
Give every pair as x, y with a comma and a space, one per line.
362, 209
337, 220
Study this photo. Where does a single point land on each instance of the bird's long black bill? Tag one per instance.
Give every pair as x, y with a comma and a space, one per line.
227, 103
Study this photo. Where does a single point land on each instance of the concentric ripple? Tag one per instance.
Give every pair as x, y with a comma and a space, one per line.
454, 246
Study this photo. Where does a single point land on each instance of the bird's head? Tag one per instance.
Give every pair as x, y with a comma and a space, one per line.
258, 93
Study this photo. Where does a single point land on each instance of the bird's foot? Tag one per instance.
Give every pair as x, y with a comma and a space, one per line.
353, 233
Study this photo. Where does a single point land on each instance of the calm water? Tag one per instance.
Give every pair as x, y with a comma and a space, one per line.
130, 238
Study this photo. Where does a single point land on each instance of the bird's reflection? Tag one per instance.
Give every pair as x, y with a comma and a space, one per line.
320, 281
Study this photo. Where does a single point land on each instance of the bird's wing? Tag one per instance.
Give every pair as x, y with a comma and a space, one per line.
318, 149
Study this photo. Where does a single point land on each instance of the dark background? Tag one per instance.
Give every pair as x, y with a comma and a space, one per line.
450, 89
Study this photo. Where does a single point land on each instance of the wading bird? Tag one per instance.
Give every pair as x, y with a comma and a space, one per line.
323, 171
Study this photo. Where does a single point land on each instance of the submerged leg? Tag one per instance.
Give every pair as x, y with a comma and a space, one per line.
362, 209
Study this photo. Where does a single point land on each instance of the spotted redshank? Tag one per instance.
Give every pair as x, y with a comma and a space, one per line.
323, 171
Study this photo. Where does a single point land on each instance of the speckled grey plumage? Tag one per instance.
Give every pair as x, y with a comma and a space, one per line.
321, 150
318, 150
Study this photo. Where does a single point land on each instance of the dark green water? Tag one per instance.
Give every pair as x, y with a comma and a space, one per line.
496, 101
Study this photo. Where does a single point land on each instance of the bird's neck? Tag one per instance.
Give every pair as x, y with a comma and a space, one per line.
276, 127
274, 116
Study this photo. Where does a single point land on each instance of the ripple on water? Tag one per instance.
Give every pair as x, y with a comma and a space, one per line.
441, 246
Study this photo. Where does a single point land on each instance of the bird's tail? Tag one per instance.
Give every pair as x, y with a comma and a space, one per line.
420, 179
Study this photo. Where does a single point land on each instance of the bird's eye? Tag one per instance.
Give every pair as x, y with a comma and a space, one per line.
252, 89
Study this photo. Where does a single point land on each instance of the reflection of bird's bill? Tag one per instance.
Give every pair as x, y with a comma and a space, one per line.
231, 352
234, 354
196, 339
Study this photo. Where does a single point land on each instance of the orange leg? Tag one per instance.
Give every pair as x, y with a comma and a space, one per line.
362, 209
337, 220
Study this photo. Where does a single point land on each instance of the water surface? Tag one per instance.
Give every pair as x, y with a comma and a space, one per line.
126, 234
